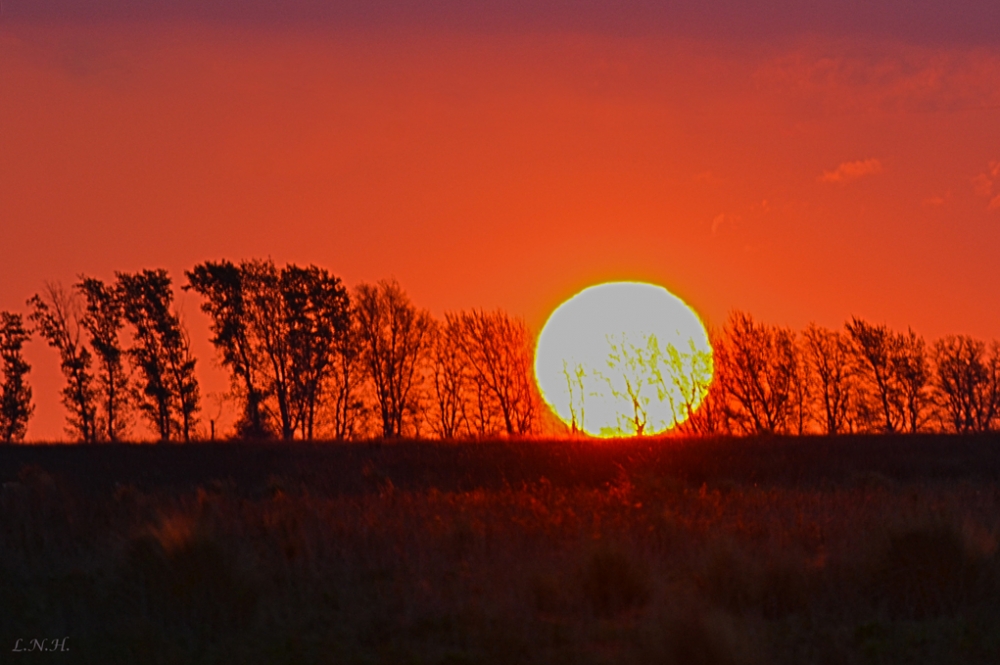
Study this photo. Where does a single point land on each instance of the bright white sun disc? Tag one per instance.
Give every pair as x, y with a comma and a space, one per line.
623, 358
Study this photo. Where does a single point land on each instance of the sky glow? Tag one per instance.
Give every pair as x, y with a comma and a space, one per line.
801, 161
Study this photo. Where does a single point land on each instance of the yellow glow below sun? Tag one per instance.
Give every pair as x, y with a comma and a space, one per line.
623, 359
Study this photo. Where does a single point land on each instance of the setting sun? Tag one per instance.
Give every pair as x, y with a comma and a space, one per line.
623, 359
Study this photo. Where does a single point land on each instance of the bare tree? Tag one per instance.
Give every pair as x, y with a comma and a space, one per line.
630, 366
103, 320
802, 413
967, 382
450, 379
897, 371
498, 350
57, 319
345, 382
913, 371
831, 355
162, 353
394, 337
876, 350
15, 393
576, 390
683, 378
704, 392
758, 368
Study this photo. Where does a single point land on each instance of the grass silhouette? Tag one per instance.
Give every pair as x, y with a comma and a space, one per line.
780, 550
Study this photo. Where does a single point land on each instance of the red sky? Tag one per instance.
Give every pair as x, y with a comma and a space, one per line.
799, 172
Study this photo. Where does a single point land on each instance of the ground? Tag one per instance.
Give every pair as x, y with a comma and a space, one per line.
870, 549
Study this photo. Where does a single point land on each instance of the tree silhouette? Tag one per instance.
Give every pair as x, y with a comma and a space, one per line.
161, 351
345, 380
450, 380
394, 338
498, 352
897, 371
268, 322
912, 367
226, 299
875, 346
577, 393
633, 364
316, 312
758, 368
57, 319
279, 332
968, 382
683, 378
15, 393
712, 415
103, 321
831, 355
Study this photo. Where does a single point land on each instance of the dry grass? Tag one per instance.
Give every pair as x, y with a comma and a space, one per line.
574, 562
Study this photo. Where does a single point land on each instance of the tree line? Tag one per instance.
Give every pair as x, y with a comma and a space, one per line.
309, 359
306, 358
864, 378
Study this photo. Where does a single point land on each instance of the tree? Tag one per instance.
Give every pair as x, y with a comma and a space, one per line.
161, 351
875, 348
15, 393
695, 375
498, 352
913, 372
279, 332
57, 320
897, 371
394, 337
831, 355
758, 368
345, 380
450, 380
316, 312
227, 299
967, 382
103, 321
633, 364
683, 378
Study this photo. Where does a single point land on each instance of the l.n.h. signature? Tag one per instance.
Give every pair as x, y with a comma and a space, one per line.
41, 645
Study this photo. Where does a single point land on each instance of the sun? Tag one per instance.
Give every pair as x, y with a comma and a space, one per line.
623, 359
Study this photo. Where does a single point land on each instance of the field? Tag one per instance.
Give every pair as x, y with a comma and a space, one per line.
782, 550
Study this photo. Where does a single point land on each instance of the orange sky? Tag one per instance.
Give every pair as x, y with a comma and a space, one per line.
802, 178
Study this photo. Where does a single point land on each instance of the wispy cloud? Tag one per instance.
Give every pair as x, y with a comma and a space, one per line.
890, 79
852, 171
984, 182
717, 223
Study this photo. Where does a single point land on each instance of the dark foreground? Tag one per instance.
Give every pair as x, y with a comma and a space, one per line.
848, 550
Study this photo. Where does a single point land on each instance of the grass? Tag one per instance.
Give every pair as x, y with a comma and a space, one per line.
815, 550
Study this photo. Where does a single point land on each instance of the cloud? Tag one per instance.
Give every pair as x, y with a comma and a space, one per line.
983, 185
935, 201
849, 171
717, 222
864, 78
